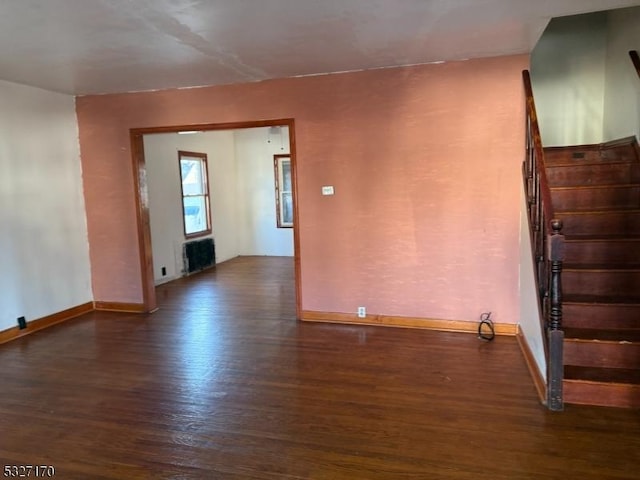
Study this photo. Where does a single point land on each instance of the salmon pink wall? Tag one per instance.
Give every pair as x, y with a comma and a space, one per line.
425, 162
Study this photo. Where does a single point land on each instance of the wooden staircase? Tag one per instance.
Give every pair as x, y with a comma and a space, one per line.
595, 191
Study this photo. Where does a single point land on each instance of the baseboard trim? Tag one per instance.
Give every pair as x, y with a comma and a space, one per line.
532, 365
44, 322
119, 307
405, 322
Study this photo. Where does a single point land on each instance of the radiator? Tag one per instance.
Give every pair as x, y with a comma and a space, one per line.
198, 255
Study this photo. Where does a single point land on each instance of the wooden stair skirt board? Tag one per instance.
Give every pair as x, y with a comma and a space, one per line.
536, 375
595, 190
44, 322
405, 322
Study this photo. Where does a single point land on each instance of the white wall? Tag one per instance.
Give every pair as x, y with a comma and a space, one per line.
164, 204
258, 232
529, 307
241, 182
568, 77
622, 85
44, 248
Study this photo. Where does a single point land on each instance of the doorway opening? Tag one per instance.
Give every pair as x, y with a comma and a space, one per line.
141, 178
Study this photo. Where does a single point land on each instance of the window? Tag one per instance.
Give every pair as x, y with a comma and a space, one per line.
195, 193
284, 191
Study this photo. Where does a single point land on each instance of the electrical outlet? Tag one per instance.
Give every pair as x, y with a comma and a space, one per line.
22, 323
362, 312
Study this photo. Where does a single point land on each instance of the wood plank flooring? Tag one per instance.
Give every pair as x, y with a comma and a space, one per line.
224, 383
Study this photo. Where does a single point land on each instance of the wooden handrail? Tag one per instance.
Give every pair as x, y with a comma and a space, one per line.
537, 146
548, 249
636, 60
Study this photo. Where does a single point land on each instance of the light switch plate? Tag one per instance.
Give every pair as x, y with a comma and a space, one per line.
327, 190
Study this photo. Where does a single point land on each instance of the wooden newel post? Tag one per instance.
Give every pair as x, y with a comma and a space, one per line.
556, 256
555, 370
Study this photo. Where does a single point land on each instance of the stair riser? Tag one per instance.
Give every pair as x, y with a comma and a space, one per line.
591, 179
600, 223
601, 197
606, 395
602, 251
566, 155
601, 354
604, 174
604, 282
625, 152
601, 316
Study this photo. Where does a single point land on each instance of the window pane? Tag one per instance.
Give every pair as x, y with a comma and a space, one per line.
192, 178
286, 176
287, 208
284, 190
195, 215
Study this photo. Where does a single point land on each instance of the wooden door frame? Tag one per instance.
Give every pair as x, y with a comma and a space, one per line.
142, 197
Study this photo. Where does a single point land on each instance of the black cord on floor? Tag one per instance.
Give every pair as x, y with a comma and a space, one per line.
486, 324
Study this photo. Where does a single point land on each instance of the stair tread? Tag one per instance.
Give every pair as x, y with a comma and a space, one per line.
566, 159
629, 376
600, 211
603, 299
621, 267
601, 238
631, 335
593, 186
587, 163
607, 179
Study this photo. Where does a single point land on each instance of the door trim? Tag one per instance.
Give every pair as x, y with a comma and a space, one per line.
142, 198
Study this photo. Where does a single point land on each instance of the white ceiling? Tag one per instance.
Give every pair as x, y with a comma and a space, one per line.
103, 46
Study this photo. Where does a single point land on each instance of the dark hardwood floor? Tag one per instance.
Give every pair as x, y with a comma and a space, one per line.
223, 382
